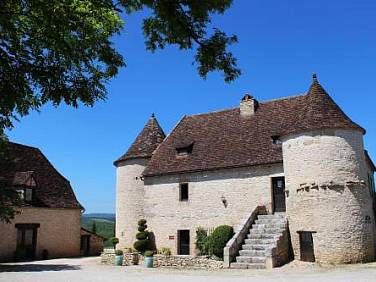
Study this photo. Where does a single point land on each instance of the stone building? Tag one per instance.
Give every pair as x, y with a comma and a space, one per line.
48, 222
91, 243
299, 159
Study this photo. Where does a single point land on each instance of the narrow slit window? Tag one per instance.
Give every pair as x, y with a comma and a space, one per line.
183, 193
184, 151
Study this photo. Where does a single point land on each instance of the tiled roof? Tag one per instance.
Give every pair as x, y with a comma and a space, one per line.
225, 139
146, 142
20, 164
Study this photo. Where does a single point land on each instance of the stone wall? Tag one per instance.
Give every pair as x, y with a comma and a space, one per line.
59, 232
129, 200
215, 198
327, 193
199, 262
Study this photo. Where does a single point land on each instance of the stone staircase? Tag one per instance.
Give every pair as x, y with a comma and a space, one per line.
261, 239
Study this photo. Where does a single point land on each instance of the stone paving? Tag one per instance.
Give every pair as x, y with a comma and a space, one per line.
90, 269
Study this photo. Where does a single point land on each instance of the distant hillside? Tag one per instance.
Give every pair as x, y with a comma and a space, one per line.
104, 224
109, 216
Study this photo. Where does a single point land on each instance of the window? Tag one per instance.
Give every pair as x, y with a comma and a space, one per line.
276, 140
184, 151
28, 195
183, 192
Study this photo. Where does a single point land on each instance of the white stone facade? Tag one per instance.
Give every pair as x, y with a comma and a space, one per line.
242, 189
327, 193
129, 200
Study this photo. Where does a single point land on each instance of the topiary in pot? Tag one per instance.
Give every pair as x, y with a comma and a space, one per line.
143, 242
218, 240
114, 241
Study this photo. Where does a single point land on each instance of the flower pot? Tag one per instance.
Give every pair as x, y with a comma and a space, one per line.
135, 258
149, 262
118, 260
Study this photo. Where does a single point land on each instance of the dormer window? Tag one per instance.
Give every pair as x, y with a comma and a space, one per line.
25, 194
25, 185
276, 140
184, 151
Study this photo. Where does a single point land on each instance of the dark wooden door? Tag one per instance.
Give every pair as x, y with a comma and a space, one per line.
26, 243
183, 242
279, 200
306, 247
85, 245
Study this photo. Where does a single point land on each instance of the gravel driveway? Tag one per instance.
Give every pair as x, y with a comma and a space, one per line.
90, 269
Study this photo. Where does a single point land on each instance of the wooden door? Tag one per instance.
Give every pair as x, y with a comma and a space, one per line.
279, 200
26, 243
306, 246
183, 242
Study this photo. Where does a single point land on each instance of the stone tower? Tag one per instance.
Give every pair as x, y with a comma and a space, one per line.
129, 181
327, 193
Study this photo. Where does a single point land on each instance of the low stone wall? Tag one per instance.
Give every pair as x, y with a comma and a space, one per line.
202, 262
199, 262
108, 257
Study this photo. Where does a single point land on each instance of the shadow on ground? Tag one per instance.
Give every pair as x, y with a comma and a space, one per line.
37, 267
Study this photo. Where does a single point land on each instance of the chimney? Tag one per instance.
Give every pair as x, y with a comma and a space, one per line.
248, 106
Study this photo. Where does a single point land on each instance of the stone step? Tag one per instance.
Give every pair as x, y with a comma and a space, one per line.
260, 241
239, 265
256, 246
245, 259
266, 231
271, 225
262, 236
270, 221
252, 253
271, 216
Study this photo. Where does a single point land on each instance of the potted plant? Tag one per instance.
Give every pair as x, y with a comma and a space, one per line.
118, 257
149, 259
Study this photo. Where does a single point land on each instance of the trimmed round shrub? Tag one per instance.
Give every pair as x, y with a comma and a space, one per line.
142, 235
218, 240
143, 242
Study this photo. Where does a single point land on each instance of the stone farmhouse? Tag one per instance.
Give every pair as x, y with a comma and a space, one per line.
48, 224
290, 175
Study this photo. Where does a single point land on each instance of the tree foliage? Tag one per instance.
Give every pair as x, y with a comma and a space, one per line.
61, 50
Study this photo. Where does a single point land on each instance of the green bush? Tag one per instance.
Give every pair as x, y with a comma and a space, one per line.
114, 241
165, 251
143, 241
119, 252
215, 243
149, 253
201, 237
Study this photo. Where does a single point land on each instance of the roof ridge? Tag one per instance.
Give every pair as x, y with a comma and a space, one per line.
22, 145
283, 98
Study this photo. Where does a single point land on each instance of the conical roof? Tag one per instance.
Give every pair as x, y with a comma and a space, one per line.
146, 142
319, 111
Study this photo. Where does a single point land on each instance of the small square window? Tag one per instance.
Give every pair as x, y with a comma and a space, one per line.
184, 151
183, 192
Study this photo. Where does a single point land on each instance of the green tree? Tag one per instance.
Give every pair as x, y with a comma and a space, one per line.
9, 198
60, 51
94, 227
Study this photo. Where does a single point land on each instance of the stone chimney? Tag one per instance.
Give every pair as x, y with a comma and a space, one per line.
248, 106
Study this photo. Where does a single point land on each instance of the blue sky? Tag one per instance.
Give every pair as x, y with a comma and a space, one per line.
281, 43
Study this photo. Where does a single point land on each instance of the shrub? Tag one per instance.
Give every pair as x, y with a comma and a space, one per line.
149, 253
119, 252
218, 240
114, 241
165, 251
143, 241
201, 237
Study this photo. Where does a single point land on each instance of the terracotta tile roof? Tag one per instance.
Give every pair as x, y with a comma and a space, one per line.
21, 163
146, 142
225, 139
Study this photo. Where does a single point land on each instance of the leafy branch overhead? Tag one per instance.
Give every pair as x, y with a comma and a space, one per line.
60, 51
